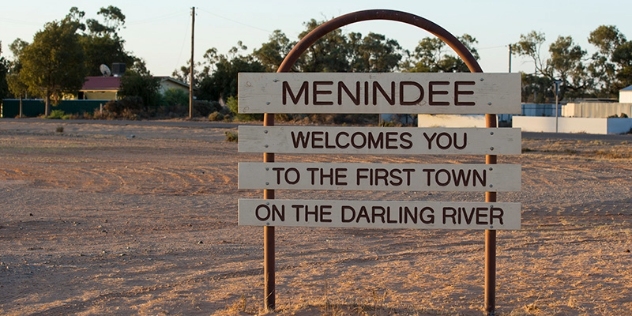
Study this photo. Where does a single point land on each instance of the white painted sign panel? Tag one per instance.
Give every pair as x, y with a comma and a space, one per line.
379, 140
410, 93
380, 214
379, 177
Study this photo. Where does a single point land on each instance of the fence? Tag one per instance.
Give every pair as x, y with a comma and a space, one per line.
35, 107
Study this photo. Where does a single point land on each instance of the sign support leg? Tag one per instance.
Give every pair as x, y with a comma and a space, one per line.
268, 239
490, 239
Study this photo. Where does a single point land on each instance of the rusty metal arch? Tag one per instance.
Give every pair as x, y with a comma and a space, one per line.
369, 15
490, 121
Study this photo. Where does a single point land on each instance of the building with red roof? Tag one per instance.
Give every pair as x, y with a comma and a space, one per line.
100, 88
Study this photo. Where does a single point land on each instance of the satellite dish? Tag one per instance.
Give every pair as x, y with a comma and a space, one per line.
105, 70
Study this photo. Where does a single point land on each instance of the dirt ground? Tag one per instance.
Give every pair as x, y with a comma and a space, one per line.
119, 219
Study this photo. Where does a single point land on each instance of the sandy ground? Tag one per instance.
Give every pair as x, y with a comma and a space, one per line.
94, 221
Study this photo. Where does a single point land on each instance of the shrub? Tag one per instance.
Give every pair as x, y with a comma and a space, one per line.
231, 136
56, 114
175, 97
131, 104
215, 116
205, 108
233, 106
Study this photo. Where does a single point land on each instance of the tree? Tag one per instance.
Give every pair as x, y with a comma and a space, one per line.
606, 39
219, 77
622, 56
272, 53
53, 64
611, 63
530, 45
328, 54
566, 63
100, 41
4, 71
430, 56
15, 82
373, 53
536, 89
138, 82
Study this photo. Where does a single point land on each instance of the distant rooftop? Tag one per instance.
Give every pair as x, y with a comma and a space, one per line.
102, 83
628, 88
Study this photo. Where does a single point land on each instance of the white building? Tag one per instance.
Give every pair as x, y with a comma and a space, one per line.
625, 95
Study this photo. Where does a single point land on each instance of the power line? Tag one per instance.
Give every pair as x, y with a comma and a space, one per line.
491, 47
186, 35
155, 19
235, 21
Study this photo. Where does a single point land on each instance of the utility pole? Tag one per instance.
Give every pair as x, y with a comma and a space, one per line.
557, 83
509, 58
191, 66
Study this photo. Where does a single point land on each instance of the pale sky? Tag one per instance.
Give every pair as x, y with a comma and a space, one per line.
160, 31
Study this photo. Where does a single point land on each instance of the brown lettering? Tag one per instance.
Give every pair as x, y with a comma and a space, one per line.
405, 138
481, 215
354, 98
432, 92
401, 93
324, 215
378, 211
317, 137
317, 92
377, 86
451, 215
458, 92
391, 138
338, 143
498, 216
287, 90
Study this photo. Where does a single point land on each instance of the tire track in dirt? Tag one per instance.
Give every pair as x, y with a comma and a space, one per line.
138, 180
78, 306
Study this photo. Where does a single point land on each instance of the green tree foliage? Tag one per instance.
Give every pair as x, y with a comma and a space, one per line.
612, 63
603, 74
4, 71
53, 64
15, 83
373, 53
175, 97
334, 52
431, 55
138, 82
272, 53
536, 89
530, 45
328, 54
100, 39
566, 64
219, 77
606, 39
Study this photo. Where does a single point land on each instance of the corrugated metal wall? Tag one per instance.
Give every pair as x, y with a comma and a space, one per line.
597, 110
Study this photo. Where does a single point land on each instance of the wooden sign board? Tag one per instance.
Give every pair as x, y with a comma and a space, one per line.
380, 214
379, 140
410, 93
379, 177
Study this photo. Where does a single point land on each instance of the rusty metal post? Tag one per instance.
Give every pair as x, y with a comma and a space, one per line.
490, 239
268, 238
473, 66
